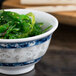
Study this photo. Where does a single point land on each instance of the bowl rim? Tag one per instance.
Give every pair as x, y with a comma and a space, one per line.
34, 37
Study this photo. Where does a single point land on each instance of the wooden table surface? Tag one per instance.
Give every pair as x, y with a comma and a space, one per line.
60, 59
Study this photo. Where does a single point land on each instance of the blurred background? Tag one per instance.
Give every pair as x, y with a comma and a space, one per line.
60, 59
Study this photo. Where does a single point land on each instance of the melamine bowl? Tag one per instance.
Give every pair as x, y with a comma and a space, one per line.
19, 56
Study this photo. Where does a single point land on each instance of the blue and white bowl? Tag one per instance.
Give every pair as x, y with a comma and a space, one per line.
19, 56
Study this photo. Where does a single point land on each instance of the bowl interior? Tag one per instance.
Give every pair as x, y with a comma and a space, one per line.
39, 17
43, 17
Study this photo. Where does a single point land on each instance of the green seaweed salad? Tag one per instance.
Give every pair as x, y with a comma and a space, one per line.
15, 26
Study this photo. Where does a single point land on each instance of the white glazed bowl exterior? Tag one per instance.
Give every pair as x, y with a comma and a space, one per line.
23, 54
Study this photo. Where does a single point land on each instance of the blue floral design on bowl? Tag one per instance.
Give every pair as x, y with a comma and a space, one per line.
24, 44
20, 63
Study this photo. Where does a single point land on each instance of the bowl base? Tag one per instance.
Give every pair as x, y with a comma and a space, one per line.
16, 70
